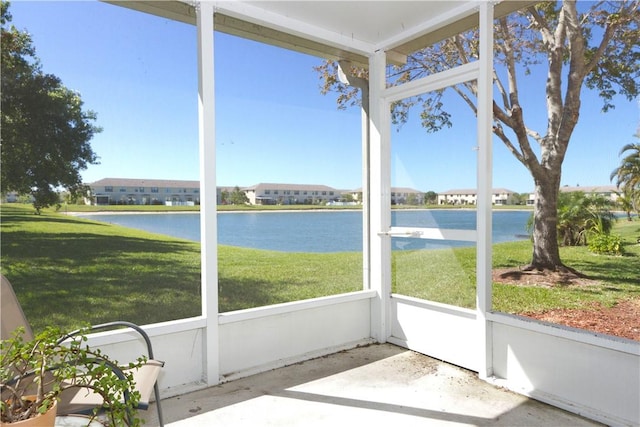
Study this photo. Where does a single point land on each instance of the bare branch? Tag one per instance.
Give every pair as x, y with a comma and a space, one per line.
466, 99
541, 24
499, 132
535, 135
511, 65
460, 49
501, 89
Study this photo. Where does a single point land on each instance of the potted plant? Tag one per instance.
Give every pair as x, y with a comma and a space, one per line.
33, 375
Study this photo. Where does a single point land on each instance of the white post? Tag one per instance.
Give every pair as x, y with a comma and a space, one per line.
485, 170
344, 73
208, 194
380, 198
366, 198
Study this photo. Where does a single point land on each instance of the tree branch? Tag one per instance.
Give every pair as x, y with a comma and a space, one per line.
499, 132
501, 89
541, 24
609, 31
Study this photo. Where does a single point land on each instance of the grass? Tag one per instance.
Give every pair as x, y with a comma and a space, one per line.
448, 276
68, 271
251, 277
125, 208
619, 276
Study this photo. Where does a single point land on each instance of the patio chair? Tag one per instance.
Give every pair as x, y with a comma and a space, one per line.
12, 317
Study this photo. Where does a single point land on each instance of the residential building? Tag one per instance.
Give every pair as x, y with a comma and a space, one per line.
399, 196
406, 196
127, 191
499, 196
608, 191
291, 194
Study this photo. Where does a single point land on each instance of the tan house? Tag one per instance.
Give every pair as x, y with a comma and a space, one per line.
608, 191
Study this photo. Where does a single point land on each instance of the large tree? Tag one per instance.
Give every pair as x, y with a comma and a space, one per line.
592, 44
45, 131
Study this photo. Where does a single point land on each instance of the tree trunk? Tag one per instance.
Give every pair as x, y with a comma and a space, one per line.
546, 254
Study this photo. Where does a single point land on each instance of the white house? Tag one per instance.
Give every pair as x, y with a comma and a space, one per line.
290, 194
469, 196
128, 191
406, 196
399, 196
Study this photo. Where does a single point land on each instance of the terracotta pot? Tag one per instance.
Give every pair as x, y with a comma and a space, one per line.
48, 419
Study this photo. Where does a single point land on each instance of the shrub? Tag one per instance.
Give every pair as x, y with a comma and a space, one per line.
606, 244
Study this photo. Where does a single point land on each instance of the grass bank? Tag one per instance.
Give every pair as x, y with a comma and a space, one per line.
68, 270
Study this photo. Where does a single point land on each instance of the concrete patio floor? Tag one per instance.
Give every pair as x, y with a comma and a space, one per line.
373, 385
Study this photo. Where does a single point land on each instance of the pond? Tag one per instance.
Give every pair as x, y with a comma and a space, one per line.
317, 231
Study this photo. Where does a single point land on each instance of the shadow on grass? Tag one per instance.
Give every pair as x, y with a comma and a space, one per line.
62, 277
16, 219
239, 294
623, 270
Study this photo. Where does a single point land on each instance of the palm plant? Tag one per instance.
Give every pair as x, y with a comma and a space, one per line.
627, 175
580, 215
628, 201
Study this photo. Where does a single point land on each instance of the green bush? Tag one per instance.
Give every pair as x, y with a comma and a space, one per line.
606, 244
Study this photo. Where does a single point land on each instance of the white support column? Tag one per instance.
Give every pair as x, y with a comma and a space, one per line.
366, 188
344, 73
208, 218
485, 171
380, 198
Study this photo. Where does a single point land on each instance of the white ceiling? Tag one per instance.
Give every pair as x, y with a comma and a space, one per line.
371, 22
347, 29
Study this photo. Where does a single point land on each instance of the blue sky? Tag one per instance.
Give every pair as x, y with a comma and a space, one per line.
138, 72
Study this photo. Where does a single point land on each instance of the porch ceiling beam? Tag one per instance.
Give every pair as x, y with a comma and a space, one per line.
261, 33
253, 26
450, 24
175, 10
254, 23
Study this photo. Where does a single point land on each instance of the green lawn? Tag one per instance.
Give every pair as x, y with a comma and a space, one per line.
68, 270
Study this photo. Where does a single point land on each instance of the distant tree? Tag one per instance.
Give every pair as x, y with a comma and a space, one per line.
431, 197
224, 197
627, 176
346, 197
45, 131
519, 198
238, 197
596, 47
412, 199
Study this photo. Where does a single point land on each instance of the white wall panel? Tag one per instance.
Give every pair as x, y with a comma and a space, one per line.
442, 331
598, 381
256, 343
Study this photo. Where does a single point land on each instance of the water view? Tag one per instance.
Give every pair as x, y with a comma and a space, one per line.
334, 231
